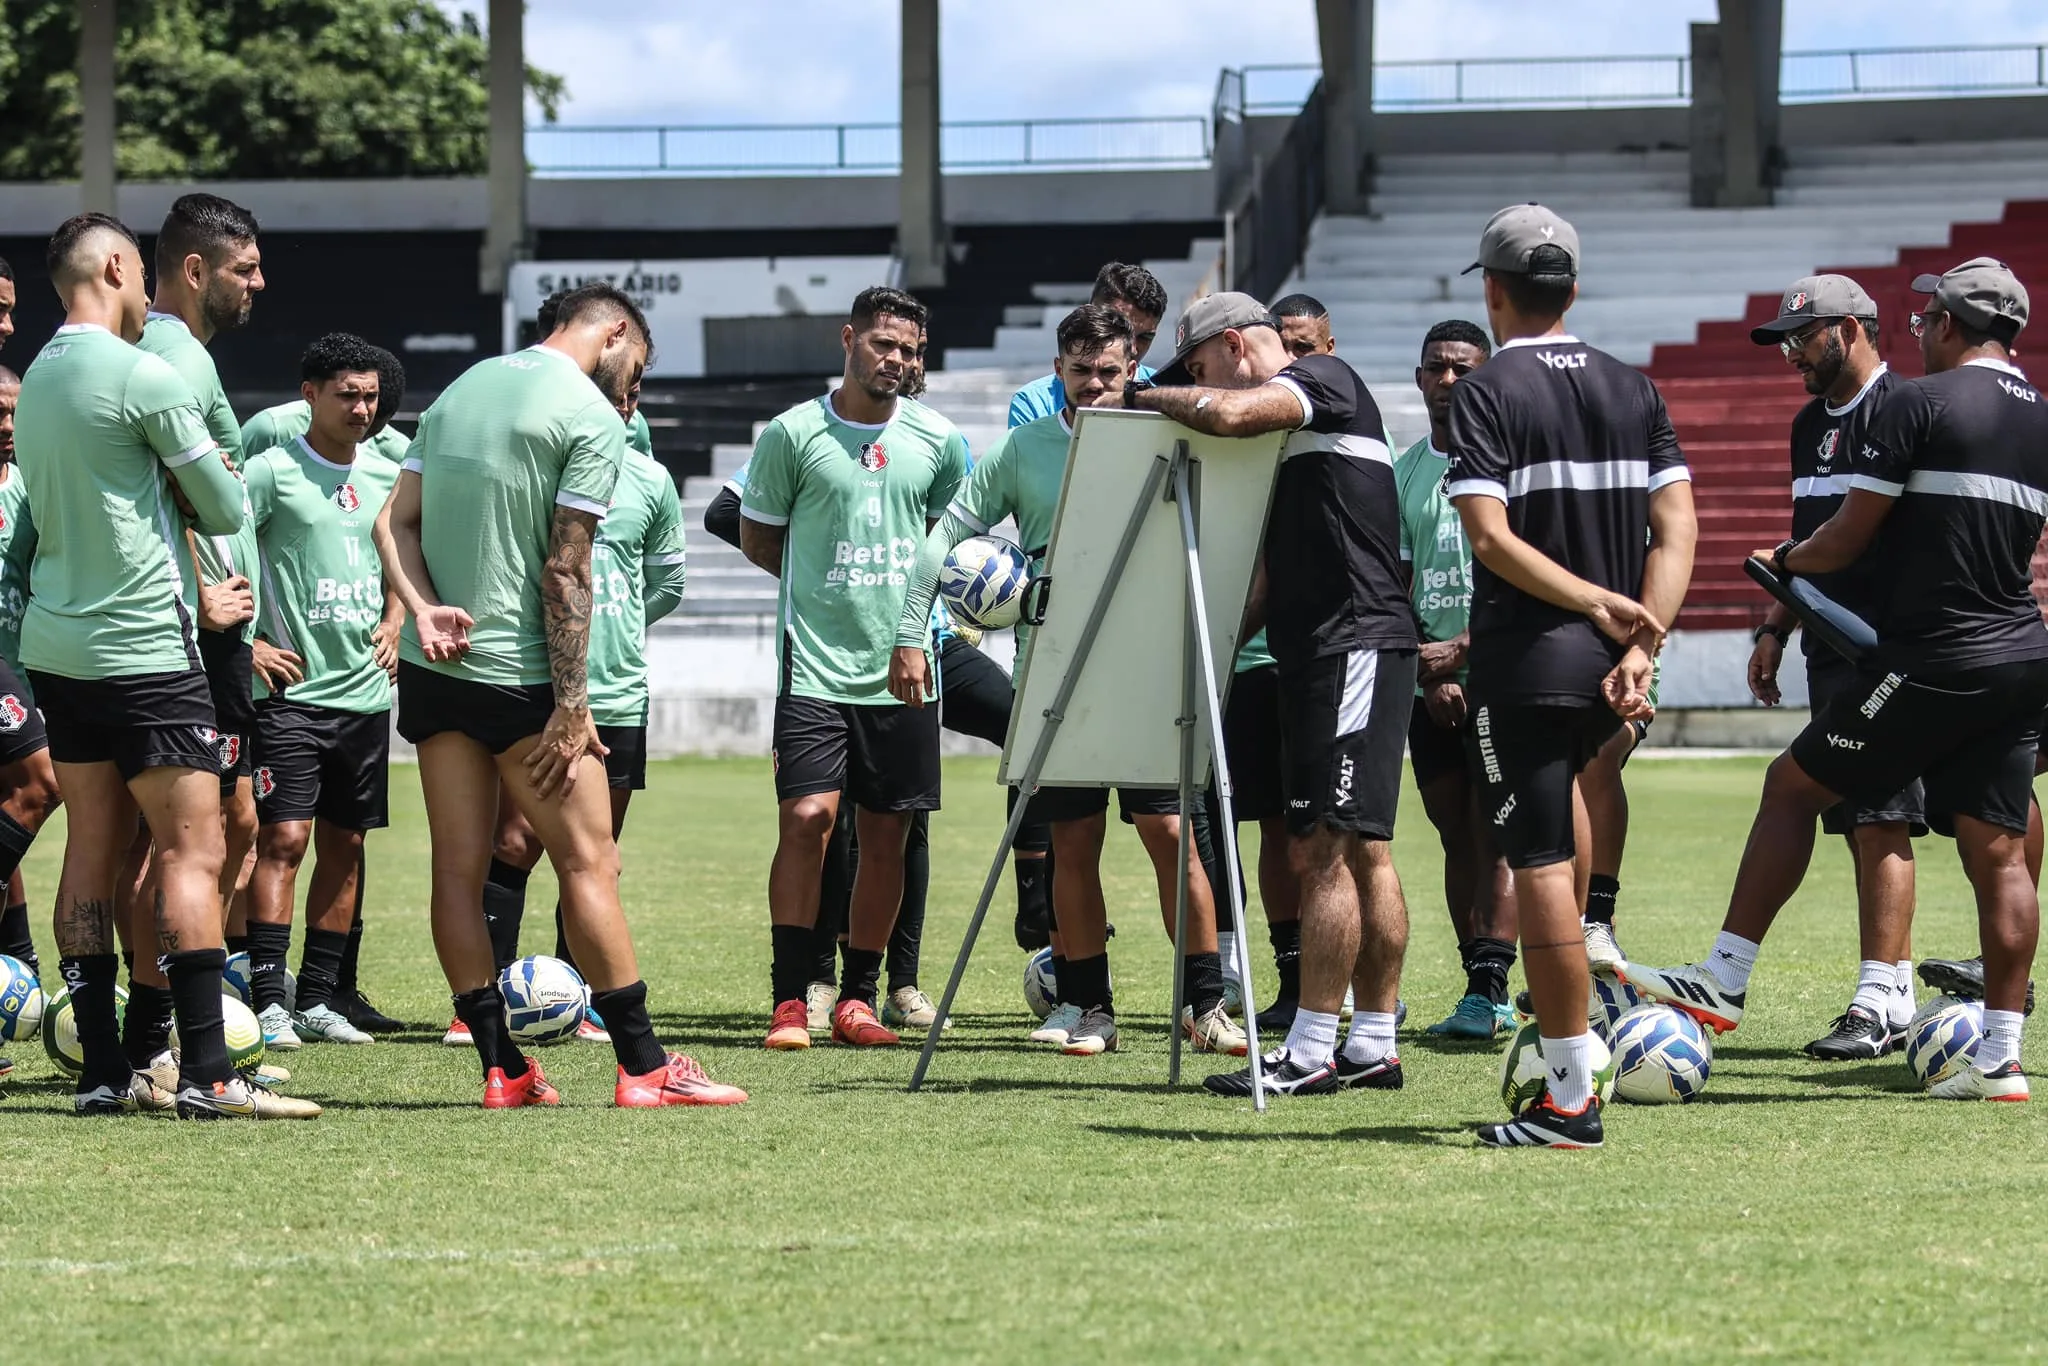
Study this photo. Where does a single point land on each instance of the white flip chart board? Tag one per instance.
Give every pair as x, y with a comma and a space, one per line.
1119, 724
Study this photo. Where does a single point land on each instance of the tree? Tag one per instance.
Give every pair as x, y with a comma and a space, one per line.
257, 89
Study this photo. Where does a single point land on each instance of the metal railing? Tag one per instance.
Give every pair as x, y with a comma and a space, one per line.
827, 148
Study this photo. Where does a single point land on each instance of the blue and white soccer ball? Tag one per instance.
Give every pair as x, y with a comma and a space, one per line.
1609, 1000
1041, 992
984, 579
21, 1000
545, 999
1942, 1038
1661, 1056
1523, 1080
234, 976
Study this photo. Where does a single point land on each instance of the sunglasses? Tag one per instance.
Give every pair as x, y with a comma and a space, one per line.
1918, 323
1797, 342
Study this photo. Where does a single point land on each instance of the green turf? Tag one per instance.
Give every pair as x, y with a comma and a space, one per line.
1032, 1207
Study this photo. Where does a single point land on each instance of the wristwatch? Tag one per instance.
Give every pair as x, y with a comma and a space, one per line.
1778, 556
1783, 633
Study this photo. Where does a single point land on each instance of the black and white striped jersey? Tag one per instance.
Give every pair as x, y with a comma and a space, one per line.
1333, 538
1965, 453
1574, 442
1825, 440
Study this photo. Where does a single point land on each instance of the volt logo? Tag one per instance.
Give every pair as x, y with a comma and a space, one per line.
1843, 741
2018, 391
1563, 360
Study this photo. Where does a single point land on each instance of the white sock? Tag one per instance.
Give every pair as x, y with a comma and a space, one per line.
1876, 985
1732, 960
1226, 947
2001, 1042
1903, 1004
1571, 1059
1313, 1039
1371, 1037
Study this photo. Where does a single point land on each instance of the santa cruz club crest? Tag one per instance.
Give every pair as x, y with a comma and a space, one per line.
1828, 444
872, 457
230, 746
345, 498
13, 713
266, 781
1798, 302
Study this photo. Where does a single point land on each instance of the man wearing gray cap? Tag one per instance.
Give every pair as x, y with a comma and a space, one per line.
1578, 507
1827, 329
1948, 498
1340, 629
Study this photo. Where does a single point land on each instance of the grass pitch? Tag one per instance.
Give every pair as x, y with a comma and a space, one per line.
1029, 1206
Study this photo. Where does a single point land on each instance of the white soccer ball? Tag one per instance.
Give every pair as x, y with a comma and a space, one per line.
1041, 992
984, 579
21, 1000
1942, 1038
545, 999
1523, 1080
235, 975
60, 1030
1662, 1056
1609, 1000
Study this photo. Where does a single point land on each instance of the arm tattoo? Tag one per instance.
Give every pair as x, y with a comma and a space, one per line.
85, 925
565, 603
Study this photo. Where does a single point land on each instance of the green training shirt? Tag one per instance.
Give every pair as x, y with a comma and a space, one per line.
279, 425
638, 437
98, 424
636, 577
855, 500
17, 549
1433, 544
505, 444
323, 585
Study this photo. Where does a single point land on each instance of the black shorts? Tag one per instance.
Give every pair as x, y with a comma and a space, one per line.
1523, 758
884, 756
974, 693
21, 725
1050, 805
1251, 740
231, 679
495, 715
1828, 676
625, 766
1969, 737
1343, 720
320, 762
137, 722
1434, 751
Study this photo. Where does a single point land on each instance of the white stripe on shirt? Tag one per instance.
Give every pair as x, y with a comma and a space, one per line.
1580, 476
1484, 488
1308, 410
1989, 487
1341, 443
980, 527
1821, 486
183, 458
566, 499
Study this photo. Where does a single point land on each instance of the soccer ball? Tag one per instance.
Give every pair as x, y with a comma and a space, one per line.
984, 581
60, 1030
1942, 1038
1609, 1000
1522, 1078
1039, 989
1661, 1055
545, 999
21, 1000
239, 1025
235, 975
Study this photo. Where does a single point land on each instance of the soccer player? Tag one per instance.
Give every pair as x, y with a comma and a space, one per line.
840, 492
487, 538
1477, 886
1337, 620
1021, 477
1304, 326
1132, 291
1578, 507
7, 301
109, 648
323, 732
1947, 498
1827, 328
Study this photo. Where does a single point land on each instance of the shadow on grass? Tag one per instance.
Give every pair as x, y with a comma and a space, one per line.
1417, 1135
962, 1086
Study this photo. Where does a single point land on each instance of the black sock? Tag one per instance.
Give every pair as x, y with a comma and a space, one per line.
1084, 982
790, 965
146, 1023
1600, 893
320, 967
345, 982
625, 1018
15, 939
821, 955
1034, 896
238, 943
202, 1044
1059, 975
128, 962
1286, 937
857, 978
483, 1010
562, 950
504, 908
1487, 962
268, 947
906, 940
91, 979
1202, 978
15, 838
1204, 833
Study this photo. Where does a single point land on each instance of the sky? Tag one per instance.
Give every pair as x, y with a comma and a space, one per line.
835, 61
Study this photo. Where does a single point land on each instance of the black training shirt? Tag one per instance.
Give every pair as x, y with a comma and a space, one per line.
1333, 539
1574, 442
1825, 440
1965, 453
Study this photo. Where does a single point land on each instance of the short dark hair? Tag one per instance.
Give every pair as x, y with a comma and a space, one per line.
76, 229
599, 303
1121, 282
339, 353
1458, 330
1091, 327
1545, 291
877, 300
1300, 306
390, 381
2004, 331
549, 308
6, 271
204, 224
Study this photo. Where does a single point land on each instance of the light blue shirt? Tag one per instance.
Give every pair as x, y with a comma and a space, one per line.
1044, 397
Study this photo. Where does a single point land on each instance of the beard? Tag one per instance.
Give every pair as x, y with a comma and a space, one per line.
226, 306
1828, 368
613, 377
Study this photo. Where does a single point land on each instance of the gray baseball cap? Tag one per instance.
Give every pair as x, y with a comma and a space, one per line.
1203, 319
1982, 292
1815, 296
1515, 234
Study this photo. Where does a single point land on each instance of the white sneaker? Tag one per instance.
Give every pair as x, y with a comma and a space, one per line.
1058, 1025
147, 1094
277, 1029
236, 1098
1215, 1032
819, 998
1693, 989
2004, 1083
1603, 950
330, 1026
910, 1008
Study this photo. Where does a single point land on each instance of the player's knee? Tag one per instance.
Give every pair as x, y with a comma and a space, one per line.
1318, 855
597, 860
33, 796
516, 844
1790, 789
1892, 839
284, 843
808, 818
